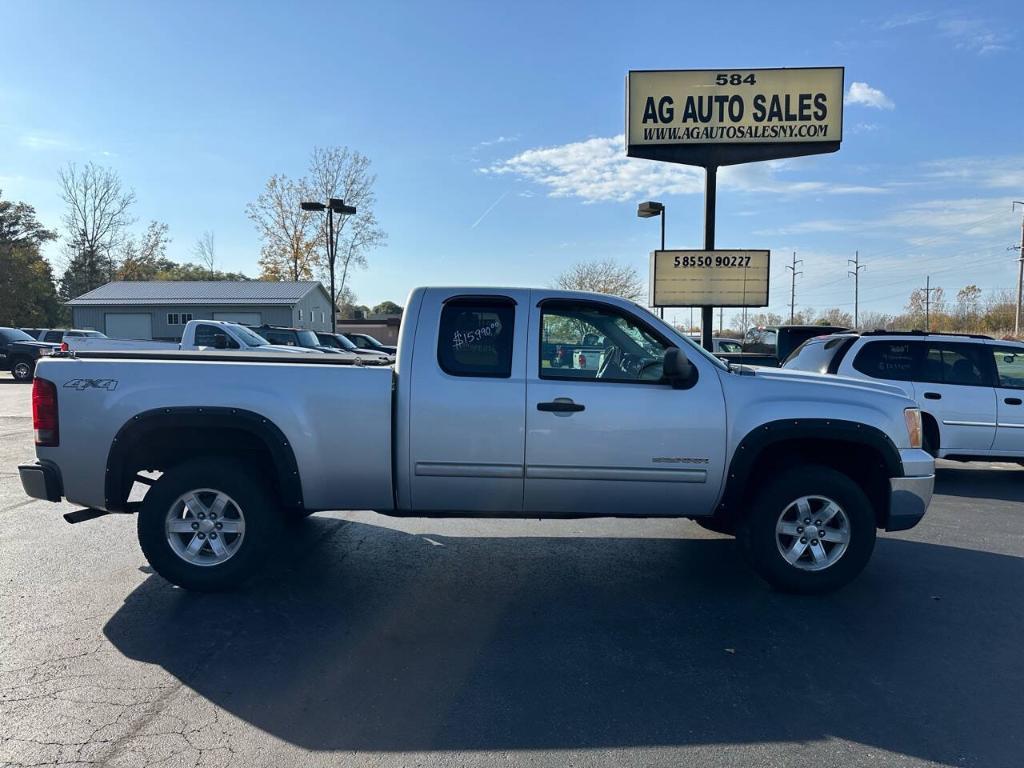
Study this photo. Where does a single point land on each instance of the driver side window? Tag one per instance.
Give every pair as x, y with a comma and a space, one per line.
588, 340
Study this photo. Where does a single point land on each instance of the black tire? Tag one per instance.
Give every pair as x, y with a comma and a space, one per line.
758, 541
263, 518
717, 524
23, 369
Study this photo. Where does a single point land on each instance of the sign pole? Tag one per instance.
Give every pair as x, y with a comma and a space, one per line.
707, 317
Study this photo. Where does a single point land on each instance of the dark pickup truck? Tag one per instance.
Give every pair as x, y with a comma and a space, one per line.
769, 347
19, 353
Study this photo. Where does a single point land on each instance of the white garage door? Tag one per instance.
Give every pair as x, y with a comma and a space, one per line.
130, 326
243, 318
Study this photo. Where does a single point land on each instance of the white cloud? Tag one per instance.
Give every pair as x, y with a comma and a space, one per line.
991, 172
974, 35
864, 94
597, 169
498, 140
44, 142
908, 20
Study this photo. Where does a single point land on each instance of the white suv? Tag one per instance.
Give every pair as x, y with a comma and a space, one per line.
970, 388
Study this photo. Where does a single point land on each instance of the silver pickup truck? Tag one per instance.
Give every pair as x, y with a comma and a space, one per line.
474, 420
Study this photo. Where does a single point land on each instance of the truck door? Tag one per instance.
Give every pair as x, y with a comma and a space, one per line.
466, 416
616, 440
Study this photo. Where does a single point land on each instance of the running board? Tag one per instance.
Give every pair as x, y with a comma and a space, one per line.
81, 515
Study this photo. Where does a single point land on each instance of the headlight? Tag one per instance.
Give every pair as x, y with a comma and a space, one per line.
913, 418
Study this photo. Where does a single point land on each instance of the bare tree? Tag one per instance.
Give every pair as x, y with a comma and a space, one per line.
288, 232
96, 218
605, 276
205, 251
340, 173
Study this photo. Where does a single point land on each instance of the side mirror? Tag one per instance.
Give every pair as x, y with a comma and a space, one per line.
677, 368
220, 341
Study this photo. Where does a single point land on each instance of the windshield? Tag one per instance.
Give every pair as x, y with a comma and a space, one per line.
343, 342
249, 337
14, 334
689, 346
308, 339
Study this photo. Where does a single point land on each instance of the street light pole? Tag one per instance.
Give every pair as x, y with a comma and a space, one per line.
334, 205
646, 211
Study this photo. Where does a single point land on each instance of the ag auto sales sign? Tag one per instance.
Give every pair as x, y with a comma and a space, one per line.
673, 114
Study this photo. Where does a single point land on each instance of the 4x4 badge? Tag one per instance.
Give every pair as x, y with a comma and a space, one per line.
81, 384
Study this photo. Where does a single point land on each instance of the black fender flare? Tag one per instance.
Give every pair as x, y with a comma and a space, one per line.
754, 443
134, 432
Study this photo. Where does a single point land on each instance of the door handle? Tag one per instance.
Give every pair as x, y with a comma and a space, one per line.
932, 396
562, 405
1012, 401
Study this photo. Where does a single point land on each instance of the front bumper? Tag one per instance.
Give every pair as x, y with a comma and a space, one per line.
908, 500
41, 481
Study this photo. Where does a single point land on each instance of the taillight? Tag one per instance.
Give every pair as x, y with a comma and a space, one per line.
64, 346
45, 420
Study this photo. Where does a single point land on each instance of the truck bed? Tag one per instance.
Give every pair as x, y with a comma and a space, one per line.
336, 416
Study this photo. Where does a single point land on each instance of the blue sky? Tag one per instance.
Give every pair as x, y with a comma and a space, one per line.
494, 131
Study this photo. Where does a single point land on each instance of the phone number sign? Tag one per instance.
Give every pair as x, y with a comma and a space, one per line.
720, 278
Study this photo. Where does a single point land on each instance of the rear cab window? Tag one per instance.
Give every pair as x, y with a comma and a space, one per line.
475, 337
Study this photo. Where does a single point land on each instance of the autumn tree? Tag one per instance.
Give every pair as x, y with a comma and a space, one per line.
145, 257
338, 172
97, 215
27, 293
289, 233
604, 276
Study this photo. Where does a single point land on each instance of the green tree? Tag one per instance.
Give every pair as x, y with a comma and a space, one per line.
387, 308
27, 293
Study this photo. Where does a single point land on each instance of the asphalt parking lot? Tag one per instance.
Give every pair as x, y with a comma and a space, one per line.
413, 642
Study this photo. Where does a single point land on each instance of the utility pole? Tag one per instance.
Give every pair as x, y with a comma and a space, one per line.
1020, 271
855, 273
792, 288
928, 303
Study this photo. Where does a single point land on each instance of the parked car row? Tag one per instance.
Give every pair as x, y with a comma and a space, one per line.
20, 349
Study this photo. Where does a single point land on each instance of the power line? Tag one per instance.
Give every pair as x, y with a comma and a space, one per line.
927, 302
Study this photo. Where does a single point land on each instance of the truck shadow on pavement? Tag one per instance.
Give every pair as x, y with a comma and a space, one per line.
971, 481
373, 639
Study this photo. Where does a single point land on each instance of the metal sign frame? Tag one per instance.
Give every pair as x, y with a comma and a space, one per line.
711, 156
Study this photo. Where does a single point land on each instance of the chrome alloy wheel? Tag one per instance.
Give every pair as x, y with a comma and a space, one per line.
812, 533
22, 371
205, 527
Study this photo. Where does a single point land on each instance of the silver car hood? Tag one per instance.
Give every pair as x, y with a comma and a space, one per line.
826, 379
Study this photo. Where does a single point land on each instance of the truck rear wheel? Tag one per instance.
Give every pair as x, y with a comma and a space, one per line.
812, 530
207, 524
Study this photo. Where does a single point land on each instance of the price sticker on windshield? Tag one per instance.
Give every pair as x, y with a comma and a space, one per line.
719, 278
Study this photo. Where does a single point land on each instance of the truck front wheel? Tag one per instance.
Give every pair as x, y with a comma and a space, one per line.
811, 530
207, 524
